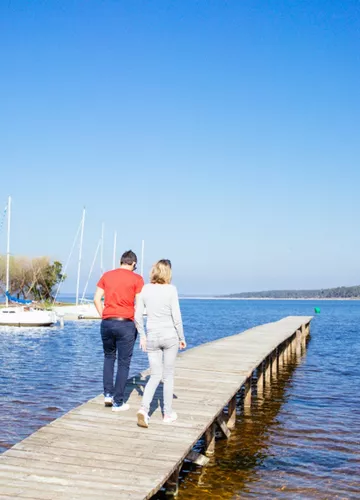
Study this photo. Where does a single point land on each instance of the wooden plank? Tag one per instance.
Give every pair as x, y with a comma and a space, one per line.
62, 452
92, 452
63, 455
36, 483
35, 490
64, 474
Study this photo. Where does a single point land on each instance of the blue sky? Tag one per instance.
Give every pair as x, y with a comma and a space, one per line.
224, 133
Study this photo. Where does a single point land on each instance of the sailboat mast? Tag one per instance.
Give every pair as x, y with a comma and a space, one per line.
8, 250
102, 251
114, 251
80, 256
142, 257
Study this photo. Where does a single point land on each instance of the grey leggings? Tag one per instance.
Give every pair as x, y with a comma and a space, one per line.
162, 351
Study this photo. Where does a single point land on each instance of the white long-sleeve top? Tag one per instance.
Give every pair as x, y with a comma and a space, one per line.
162, 309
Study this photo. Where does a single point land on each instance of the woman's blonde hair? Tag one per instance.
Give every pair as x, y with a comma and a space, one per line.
161, 272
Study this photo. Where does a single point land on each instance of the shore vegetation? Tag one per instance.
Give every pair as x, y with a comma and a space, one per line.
341, 292
31, 278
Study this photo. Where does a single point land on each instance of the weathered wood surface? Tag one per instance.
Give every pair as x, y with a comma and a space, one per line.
92, 452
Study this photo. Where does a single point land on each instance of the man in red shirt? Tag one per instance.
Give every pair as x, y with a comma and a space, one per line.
118, 331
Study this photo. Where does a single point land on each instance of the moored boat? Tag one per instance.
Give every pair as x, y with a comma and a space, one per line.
21, 312
26, 316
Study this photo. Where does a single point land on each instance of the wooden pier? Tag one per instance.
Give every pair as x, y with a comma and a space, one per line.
94, 453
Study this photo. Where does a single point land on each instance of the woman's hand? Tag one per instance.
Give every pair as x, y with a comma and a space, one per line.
143, 343
182, 345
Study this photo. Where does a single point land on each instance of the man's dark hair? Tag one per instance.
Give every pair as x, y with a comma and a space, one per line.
128, 258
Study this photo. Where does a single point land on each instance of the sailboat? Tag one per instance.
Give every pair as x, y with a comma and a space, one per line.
23, 312
84, 309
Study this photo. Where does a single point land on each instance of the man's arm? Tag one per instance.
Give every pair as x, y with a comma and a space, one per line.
99, 294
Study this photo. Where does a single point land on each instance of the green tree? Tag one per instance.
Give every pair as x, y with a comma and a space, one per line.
31, 278
50, 276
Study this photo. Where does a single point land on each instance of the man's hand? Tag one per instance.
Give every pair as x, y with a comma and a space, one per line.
182, 345
143, 344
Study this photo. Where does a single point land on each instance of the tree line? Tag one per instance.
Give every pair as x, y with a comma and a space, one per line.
341, 292
31, 278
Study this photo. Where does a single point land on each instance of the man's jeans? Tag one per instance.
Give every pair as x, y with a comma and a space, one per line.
117, 337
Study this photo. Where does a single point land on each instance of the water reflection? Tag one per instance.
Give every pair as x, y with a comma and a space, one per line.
237, 460
282, 449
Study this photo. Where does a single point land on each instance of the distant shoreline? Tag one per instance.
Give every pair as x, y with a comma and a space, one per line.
269, 298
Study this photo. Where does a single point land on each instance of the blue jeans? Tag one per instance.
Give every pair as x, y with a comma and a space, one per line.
118, 337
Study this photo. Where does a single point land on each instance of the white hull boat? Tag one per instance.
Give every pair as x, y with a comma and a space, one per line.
82, 311
24, 313
26, 316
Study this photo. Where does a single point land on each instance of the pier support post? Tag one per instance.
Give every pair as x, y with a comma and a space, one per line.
284, 353
281, 355
298, 343
289, 346
285, 357
260, 380
231, 413
247, 396
292, 347
197, 458
274, 362
303, 343
210, 440
172, 484
303, 336
221, 421
267, 369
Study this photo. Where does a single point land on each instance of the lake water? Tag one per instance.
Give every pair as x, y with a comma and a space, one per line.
302, 442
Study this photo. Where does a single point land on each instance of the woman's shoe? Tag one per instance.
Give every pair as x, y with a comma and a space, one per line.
143, 418
169, 419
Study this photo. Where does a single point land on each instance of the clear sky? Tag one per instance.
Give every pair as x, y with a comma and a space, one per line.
224, 133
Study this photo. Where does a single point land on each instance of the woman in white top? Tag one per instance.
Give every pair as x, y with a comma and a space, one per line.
163, 338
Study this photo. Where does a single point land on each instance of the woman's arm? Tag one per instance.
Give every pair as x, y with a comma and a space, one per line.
176, 315
139, 315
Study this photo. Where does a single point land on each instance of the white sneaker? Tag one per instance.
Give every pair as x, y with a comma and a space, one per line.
120, 407
108, 400
169, 419
143, 418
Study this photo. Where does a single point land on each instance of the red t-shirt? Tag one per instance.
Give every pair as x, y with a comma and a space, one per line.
120, 287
